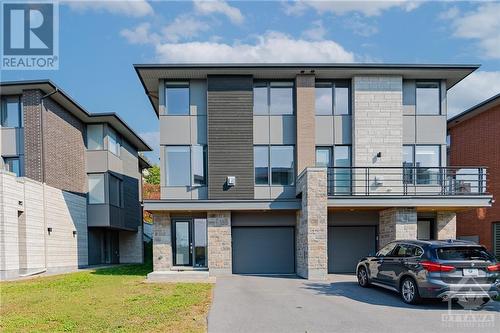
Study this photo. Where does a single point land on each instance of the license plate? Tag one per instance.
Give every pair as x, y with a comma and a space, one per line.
471, 272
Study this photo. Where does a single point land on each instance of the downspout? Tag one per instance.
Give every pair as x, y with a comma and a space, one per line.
42, 153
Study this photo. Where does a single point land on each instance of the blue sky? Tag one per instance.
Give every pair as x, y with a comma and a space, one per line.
99, 42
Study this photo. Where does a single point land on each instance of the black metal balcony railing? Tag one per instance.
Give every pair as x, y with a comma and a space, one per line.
406, 181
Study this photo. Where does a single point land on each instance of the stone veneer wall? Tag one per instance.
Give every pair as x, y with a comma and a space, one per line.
162, 242
397, 223
446, 225
219, 242
312, 225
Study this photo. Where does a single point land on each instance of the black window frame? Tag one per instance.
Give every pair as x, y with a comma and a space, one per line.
411, 172
3, 102
269, 165
267, 84
440, 97
332, 84
178, 84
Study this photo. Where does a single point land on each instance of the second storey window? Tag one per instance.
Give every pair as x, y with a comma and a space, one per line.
11, 113
332, 98
274, 164
95, 137
427, 161
427, 98
96, 188
13, 164
186, 165
177, 98
115, 191
113, 143
339, 157
275, 97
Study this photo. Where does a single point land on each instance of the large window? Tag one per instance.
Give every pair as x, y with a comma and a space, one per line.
332, 98
186, 165
96, 188
13, 164
274, 97
324, 157
95, 137
428, 101
340, 158
177, 98
115, 191
274, 165
11, 113
427, 161
113, 143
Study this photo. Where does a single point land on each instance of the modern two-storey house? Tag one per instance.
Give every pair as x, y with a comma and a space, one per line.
70, 188
301, 168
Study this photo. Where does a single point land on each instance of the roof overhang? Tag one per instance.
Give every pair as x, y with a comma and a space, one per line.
441, 202
151, 74
474, 111
206, 205
68, 103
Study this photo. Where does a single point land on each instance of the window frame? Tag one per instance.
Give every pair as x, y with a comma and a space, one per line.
105, 201
440, 111
178, 84
267, 147
191, 173
120, 191
3, 108
14, 158
332, 84
269, 165
87, 137
268, 85
413, 172
110, 130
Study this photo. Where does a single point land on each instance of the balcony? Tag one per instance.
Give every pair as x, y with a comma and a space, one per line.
452, 187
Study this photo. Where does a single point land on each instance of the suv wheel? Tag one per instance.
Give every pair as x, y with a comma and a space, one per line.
409, 291
363, 277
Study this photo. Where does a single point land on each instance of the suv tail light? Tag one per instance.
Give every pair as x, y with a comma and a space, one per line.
436, 267
493, 268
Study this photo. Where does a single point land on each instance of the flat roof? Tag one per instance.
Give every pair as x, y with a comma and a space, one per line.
63, 99
475, 110
150, 74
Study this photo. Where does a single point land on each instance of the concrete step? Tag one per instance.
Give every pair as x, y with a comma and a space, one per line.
180, 276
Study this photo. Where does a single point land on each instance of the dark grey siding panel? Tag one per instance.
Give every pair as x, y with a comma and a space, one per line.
266, 250
346, 245
230, 136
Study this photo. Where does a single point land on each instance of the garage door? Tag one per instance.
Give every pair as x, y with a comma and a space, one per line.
263, 250
346, 245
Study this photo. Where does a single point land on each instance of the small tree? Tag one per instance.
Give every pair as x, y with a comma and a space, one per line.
153, 175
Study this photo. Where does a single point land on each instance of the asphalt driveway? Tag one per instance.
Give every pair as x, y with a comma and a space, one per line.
281, 304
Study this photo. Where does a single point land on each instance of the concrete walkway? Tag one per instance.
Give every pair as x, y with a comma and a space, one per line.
284, 304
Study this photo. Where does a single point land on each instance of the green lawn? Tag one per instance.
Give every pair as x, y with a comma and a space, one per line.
112, 300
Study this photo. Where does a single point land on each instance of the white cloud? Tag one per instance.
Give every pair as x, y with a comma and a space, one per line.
184, 27
135, 8
360, 26
472, 90
271, 47
141, 34
316, 32
206, 7
482, 24
366, 7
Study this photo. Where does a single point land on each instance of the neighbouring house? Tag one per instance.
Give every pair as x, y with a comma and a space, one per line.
475, 140
70, 188
300, 168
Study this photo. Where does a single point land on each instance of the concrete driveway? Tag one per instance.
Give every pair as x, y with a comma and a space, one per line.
280, 304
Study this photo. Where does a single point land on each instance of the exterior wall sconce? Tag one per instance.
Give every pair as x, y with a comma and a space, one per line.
74, 233
49, 230
379, 154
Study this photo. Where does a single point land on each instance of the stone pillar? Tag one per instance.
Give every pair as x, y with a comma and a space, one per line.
162, 242
312, 225
306, 149
219, 243
446, 225
397, 223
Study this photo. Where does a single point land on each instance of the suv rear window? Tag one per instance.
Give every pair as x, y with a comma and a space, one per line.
463, 253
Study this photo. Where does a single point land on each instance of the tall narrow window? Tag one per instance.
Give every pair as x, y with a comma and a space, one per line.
427, 160
95, 137
177, 98
324, 98
342, 98
324, 157
96, 188
199, 162
427, 99
408, 164
282, 165
281, 98
13, 164
115, 191
11, 115
261, 162
178, 165
260, 101
342, 163
113, 143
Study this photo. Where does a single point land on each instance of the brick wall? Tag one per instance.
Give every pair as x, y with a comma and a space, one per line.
306, 150
476, 142
31, 100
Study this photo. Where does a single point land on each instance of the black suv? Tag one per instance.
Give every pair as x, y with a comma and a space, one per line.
432, 269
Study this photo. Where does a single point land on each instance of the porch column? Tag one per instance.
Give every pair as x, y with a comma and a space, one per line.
162, 242
312, 225
397, 223
219, 243
446, 225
